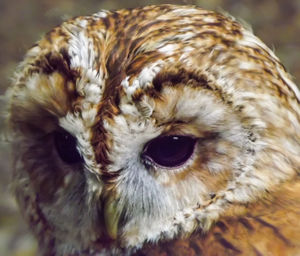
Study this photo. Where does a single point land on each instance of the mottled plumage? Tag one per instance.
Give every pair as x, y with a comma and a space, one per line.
95, 106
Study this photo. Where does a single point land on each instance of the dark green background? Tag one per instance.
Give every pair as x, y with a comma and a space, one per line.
276, 22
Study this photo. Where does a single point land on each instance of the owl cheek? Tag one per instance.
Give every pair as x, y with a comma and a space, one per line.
42, 172
207, 172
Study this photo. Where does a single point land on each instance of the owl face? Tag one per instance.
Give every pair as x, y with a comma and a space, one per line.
144, 125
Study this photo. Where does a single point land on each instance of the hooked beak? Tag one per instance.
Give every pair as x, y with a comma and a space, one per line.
111, 217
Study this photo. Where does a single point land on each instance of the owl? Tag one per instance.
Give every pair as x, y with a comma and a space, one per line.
160, 130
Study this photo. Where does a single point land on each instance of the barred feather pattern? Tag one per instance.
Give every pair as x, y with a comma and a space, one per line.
116, 80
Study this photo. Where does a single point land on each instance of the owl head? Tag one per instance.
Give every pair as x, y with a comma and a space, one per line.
139, 126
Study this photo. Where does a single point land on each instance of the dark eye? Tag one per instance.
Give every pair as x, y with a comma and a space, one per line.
169, 151
65, 145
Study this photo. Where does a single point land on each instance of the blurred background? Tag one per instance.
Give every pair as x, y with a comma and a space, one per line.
276, 22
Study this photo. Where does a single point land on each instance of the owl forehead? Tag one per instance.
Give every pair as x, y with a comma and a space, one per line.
122, 52
128, 48
88, 64
96, 60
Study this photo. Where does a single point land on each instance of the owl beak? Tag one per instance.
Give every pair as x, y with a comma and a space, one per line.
111, 218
